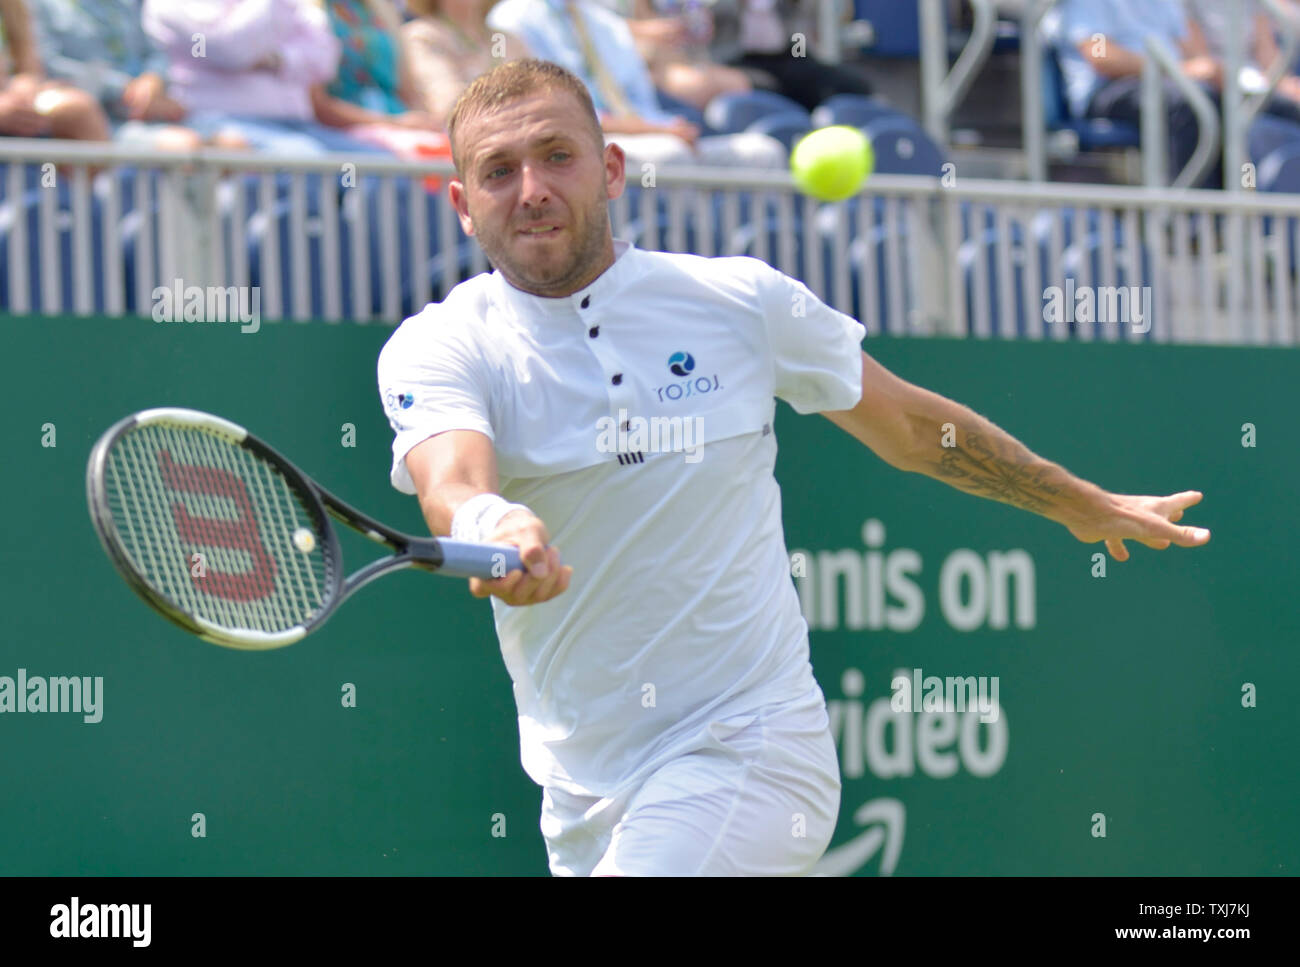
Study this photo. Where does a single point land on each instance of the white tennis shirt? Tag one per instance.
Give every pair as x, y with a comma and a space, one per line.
681, 609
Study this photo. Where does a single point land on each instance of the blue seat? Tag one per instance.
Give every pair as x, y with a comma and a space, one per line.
1267, 134
787, 127
1093, 133
1280, 170
679, 107
852, 109
1006, 36
733, 113
902, 147
896, 24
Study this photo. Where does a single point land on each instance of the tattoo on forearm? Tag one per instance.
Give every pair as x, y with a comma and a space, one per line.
1001, 469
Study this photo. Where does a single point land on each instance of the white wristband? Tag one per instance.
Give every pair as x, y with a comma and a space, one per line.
477, 518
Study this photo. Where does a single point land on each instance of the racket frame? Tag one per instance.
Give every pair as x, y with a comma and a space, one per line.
426, 553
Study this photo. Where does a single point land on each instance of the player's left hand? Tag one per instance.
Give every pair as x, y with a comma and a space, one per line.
1150, 520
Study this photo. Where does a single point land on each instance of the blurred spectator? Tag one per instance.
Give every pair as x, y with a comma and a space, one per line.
1102, 46
244, 70
673, 37
772, 42
373, 96
597, 46
1262, 49
100, 47
32, 106
450, 44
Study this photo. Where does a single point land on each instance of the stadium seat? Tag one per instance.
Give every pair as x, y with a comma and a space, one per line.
733, 113
851, 109
1093, 133
897, 32
689, 111
1280, 170
1006, 36
1267, 134
895, 25
903, 148
787, 127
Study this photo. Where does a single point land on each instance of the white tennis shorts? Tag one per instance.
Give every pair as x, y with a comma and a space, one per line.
759, 798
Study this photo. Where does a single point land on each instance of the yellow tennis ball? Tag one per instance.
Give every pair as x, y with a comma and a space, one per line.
304, 540
832, 163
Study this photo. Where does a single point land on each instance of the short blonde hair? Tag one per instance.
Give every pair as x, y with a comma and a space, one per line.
512, 80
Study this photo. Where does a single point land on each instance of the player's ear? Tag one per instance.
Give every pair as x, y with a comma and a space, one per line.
460, 201
615, 170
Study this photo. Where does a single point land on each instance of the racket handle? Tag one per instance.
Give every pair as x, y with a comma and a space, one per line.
465, 560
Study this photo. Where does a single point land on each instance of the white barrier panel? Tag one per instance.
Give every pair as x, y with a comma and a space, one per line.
339, 238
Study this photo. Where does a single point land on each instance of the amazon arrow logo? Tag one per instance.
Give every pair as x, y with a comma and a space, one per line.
884, 819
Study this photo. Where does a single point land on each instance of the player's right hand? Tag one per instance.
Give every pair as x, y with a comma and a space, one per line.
544, 576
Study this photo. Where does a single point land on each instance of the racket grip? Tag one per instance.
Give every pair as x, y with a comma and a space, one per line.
467, 560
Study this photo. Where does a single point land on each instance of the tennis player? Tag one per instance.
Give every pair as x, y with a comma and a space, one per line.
666, 702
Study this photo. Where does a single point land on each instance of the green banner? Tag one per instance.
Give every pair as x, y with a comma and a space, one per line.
1145, 716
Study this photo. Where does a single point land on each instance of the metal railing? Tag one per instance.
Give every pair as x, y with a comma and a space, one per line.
1238, 109
361, 239
1162, 62
943, 90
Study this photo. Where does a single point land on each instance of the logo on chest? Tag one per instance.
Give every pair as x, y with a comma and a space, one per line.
682, 364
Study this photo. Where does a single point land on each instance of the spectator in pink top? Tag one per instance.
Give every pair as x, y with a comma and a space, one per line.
244, 70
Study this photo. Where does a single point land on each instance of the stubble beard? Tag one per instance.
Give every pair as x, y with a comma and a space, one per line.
586, 254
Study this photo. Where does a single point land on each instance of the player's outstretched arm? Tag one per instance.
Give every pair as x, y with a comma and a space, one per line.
451, 469
914, 429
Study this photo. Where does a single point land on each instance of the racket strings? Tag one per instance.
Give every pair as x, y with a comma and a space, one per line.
210, 525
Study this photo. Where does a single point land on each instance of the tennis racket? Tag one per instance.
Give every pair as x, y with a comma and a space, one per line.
225, 537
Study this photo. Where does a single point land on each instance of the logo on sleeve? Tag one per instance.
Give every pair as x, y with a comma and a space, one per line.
394, 400
683, 364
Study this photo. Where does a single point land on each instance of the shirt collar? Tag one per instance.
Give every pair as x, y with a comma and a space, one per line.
596, 294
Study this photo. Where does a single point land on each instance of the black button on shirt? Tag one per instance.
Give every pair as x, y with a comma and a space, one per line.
593, 332
618, 378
